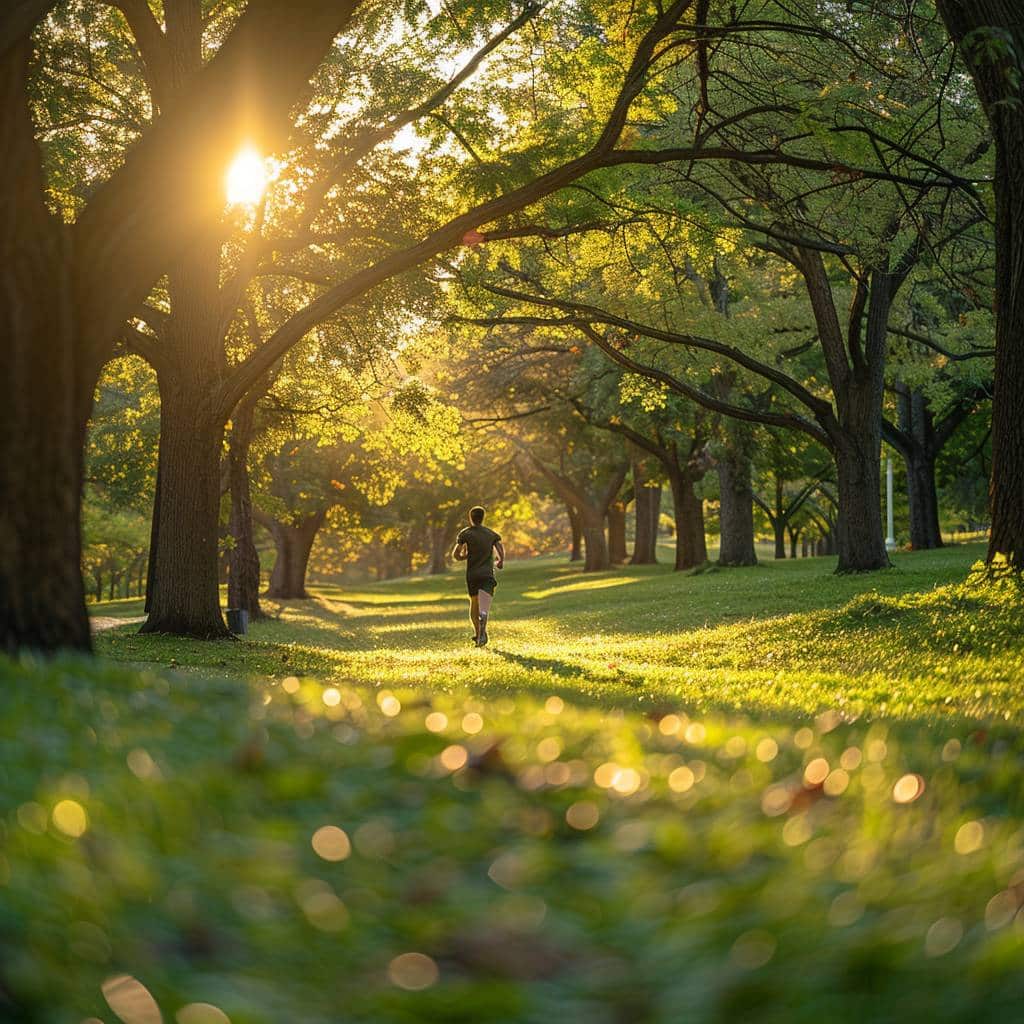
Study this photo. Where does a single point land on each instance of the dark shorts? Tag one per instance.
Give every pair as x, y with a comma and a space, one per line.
484, 583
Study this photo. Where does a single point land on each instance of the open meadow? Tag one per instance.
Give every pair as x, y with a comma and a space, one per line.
767, 794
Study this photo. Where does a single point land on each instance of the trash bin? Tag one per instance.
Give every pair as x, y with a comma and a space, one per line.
238, 621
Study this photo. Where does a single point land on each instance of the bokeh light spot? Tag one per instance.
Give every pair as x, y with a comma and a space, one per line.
331, 843
454, 757
816, 772
70, 817
943, 936
969, 837
131, 1000
389, 704
753, 949
413, 971
436, 721
202, 1013
583, 815
907, 789
680, 780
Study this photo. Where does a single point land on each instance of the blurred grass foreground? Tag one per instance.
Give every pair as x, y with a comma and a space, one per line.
755, 795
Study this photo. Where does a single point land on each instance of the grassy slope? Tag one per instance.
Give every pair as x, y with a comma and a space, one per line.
782, 638
657, 847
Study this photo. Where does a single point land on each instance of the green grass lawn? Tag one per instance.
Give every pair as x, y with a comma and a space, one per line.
750, 795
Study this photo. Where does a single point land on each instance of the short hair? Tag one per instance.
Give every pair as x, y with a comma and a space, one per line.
476, 515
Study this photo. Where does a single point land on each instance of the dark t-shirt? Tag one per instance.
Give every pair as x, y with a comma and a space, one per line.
479, 541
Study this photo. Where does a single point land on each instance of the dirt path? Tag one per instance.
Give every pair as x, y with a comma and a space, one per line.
100, 623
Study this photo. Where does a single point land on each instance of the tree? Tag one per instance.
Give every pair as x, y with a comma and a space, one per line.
70, 287
989, 35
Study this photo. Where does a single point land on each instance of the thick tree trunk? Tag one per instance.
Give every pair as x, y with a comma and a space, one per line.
859, 541
185, 595
595, 544
45, 395
617, 553
736, 510
243, 558
648, 508
924, 502
293, 543
1001, 89
691, 544
576, 526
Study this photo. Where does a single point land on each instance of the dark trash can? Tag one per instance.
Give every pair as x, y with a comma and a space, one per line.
238, 621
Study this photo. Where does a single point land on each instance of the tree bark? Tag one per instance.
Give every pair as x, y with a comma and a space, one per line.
595, 544
185, 599
617, 553
44, 398
243, 558
438, 550
576, 526
691, 544
736, 508
185, 595
923, 498
859, 541
647, 508
293, 543
1000, 86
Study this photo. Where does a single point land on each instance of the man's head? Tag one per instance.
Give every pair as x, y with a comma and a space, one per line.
476, 515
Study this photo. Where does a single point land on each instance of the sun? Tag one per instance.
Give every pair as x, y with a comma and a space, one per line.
246, 178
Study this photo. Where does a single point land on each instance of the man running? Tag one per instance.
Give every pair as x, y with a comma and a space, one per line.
475, 546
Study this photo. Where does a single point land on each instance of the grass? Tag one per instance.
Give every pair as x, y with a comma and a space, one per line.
757, 795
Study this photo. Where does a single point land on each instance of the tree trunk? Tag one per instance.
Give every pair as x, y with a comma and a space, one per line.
438, 550
45, 396
794, 539
1001, 89
924, 502
691, 545
779, 529
185, 599
736, 509
595, 544
243, 558
576, 526
859, 541
617, 553
647, 508
645, 542
293, 543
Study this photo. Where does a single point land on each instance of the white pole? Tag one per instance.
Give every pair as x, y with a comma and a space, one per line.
890, 539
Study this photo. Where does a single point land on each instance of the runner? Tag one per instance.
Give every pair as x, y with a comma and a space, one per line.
475, 546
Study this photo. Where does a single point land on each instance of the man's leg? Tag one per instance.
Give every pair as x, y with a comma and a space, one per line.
484, 603
474, 613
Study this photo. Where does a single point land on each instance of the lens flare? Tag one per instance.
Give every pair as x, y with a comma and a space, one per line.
246, 178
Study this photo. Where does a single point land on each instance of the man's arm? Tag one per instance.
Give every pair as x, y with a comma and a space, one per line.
500, 564
460, 552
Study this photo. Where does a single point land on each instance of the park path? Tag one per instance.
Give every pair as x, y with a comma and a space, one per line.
99, 623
